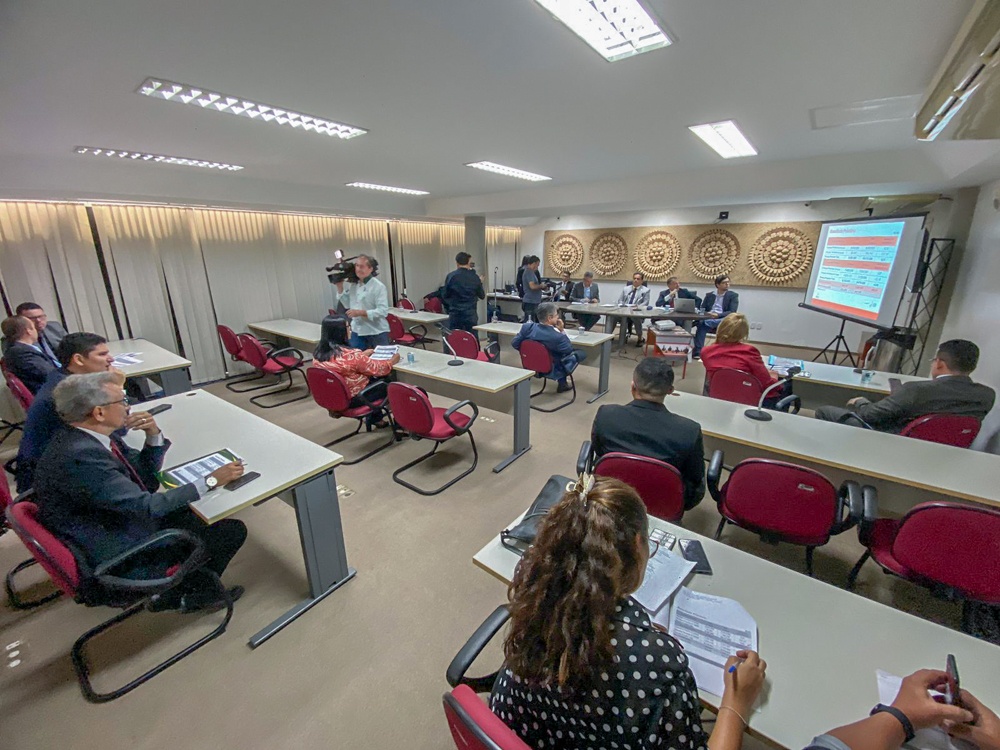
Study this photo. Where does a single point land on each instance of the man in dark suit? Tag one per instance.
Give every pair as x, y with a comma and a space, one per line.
462, 291
718, 304
100, 495
586, 291
674, 291
50, 332
644, 427
550, 332
950, 391
23, 356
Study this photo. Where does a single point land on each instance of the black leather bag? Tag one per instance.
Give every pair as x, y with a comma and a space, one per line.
523, 534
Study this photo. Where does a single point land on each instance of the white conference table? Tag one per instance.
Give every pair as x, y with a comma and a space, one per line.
285, 332
418, 316
487, 384
291, 466
944, 471
586, 339
822, 644
612, 314
836, 384
170, 369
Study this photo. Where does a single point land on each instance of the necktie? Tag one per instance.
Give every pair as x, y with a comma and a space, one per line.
131, 469
47, 350
631, 298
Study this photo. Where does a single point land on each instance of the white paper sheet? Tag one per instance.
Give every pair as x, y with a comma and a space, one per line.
126, 359
711, 629
665, 572
385, 351
925, 739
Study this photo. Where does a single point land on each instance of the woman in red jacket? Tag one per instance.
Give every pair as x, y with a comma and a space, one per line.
730, 351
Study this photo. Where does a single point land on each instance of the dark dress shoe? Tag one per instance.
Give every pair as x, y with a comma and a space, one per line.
563, 387
199, 603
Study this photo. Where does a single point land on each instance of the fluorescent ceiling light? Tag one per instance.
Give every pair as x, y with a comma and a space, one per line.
725, 138
156, 158
387, 188
184, 93
615, 28
490, 166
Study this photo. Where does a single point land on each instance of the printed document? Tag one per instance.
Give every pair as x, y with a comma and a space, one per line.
385, 351
665, 572
129, 358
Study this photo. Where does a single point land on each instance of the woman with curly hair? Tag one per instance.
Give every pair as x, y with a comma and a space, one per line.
584, 665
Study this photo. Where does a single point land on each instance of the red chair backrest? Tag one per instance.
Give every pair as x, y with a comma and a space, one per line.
735, 385
396, 328
329, 389
658, 483
433, 304
54, 556
948, 429
789, 501
411, 408
534, 356
252, 351
474, 727
954, 545
5, 496
405, 304
464, 343
17, 388
230, 341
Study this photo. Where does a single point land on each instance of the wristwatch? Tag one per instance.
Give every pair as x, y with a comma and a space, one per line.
211, 482
900, 716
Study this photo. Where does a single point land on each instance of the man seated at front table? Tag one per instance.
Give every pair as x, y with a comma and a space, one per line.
78, 353
645, 427
23, 356
674, 291
586, 291
99, 494
549, 331
718, 305
950, 391
635, 294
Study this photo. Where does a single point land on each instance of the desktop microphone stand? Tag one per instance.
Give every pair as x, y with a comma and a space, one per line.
759, 414
456, 360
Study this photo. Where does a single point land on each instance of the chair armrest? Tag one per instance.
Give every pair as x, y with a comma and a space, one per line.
584, 462
363, 394
275, 353
472, 648
867, 513
714, 475
195, 559
456, 407
492, 350
851, 417
849, 507
421, 326
26, 495
791, 404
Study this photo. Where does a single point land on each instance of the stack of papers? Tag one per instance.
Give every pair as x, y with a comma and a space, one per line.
781, 364
665, 572
385, 352
124, 360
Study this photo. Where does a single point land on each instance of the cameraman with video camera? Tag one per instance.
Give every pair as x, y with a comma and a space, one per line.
364, 298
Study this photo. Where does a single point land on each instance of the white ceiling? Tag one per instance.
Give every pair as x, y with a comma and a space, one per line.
443, 82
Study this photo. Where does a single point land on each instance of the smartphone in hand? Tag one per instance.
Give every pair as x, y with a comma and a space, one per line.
952, 692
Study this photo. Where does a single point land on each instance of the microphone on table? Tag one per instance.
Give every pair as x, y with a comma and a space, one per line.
759, 413
864, 364
456, 360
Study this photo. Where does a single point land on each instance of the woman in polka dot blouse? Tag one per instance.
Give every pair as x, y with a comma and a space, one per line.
585, 668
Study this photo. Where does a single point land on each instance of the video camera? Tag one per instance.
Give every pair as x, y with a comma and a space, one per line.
343, 269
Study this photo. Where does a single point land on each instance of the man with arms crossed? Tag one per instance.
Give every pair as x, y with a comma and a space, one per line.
950, 391
367, 305
718, 304
586, 291
645, 427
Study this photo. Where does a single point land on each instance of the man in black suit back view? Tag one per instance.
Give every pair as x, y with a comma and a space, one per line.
23, 356
645, 427
100, 495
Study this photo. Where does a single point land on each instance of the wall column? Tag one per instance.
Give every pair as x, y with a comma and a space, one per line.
475, 245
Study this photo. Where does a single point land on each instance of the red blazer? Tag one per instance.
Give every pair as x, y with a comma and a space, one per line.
744, 357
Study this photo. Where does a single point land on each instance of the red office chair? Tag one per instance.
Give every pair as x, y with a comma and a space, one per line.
398, 333
782, 502
534, 356
108, 585
278, 362
464, 344
13, 597
740, 387
329, 390
412, 411
952, 549
231, 343
405, 304
947, 429
659, 484
434, 305
473, 726
21, 395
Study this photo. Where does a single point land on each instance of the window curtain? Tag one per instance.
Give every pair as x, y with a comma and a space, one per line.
502, 246
428, 254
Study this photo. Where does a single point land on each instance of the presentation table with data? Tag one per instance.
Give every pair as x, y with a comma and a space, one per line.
585, 339
291, 467
801, 623
140, 359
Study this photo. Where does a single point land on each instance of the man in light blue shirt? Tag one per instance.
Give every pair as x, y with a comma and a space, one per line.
367, 305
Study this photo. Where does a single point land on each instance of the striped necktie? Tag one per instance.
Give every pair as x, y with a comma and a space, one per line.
131, 469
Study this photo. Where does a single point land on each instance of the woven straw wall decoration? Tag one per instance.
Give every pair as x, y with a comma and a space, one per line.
566, 254
714, 252
657, 254
779, 255
608, 254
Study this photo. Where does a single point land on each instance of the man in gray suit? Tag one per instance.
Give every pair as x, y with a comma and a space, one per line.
586, 291
50, 332
950, 391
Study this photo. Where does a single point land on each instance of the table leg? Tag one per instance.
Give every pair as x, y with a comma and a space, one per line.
317, 511
175, 381
603, 378
622, 329
522, 416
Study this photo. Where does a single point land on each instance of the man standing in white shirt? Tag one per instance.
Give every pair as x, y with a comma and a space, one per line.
367, 304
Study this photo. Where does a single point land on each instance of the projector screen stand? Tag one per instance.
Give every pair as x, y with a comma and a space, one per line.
835, 345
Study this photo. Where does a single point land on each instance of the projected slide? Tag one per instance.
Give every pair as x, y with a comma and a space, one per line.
855, 263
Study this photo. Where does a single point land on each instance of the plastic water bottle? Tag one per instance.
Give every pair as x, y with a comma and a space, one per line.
866, 376
410, 359
496, 318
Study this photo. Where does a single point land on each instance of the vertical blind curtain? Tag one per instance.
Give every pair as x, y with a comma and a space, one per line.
155, 263
428, 251
502, 246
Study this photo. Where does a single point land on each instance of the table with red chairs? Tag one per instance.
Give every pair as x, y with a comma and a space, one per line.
489, 385
171, 370
418, 316
826, 384
585, 339
822, 644
290, 467
285, 332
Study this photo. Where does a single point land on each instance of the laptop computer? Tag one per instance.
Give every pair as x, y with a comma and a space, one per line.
684, 305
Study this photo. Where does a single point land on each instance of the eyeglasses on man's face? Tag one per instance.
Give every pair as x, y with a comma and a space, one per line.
123, 401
